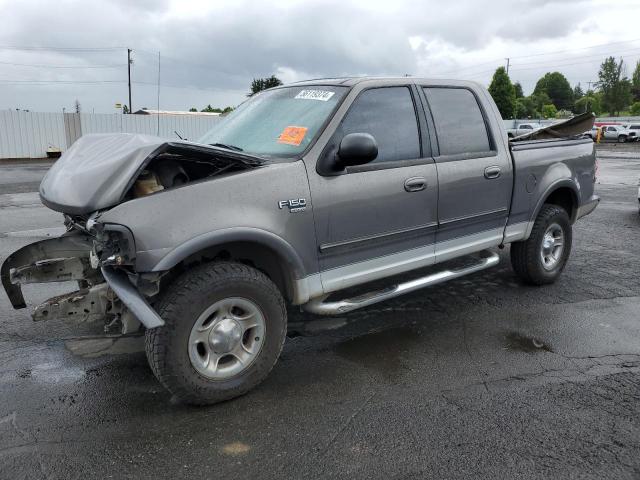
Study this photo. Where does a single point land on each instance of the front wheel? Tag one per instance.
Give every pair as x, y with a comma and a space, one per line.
540, 259
622, 138
225, 325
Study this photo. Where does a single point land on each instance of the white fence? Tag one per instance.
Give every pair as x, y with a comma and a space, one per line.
29, 134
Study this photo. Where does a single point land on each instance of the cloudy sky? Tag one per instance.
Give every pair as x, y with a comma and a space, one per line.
55, 51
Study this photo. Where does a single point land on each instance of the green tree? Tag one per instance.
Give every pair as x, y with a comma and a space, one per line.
557, 87
635, 82
615, 87
210, 109
540, 100
227, 109
549, 111
193, 109
503, 93
526, 108
125, 109
518, 87
635, 109
259, 84
590, 102
578, 93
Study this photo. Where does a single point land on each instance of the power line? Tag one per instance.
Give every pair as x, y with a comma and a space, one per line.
61, 49
577, 49
500, 60
70, 82
599, 55
42, 65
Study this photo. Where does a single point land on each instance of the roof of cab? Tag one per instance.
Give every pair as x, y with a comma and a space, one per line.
351, 81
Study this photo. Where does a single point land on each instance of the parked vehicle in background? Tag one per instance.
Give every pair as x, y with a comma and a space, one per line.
617, 133
304, 195
634, 131
523, 128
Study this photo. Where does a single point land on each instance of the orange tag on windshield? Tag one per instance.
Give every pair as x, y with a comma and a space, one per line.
292, 135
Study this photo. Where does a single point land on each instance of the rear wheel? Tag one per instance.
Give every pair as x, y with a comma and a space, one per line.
541, 258
225, 325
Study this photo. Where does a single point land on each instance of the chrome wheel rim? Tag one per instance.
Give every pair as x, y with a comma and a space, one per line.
226, 338
552, 246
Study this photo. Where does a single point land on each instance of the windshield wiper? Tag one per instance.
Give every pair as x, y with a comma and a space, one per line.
228, 147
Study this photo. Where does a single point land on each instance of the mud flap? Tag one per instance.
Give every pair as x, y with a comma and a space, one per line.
52, 260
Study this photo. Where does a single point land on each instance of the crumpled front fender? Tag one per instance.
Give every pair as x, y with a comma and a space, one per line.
52, 260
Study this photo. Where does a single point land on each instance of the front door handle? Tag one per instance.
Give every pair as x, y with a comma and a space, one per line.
492, 172
415, 184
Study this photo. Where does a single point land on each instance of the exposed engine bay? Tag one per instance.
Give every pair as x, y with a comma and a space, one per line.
180, 165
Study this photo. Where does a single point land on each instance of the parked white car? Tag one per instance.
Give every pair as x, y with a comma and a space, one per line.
618, 133
634, 131
522, 129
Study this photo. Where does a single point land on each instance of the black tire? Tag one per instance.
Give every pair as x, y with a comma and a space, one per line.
526, 257
622, 138
181, 306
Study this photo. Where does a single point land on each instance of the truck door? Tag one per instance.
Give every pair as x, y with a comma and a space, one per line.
475, 176
611, 133
377, 219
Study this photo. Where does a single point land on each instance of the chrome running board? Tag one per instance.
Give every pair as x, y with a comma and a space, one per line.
320, 307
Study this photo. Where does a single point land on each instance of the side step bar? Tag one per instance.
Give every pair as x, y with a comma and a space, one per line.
320, 307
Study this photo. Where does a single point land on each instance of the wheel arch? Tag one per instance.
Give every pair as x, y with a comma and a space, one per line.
562, 193
258, 248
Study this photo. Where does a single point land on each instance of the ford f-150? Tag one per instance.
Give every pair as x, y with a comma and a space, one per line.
303, 193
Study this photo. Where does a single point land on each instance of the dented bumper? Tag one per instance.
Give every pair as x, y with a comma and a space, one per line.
105, 293
60, 259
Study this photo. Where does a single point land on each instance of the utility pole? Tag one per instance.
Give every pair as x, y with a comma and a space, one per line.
508, 61
589, 85
129, 62
158, 107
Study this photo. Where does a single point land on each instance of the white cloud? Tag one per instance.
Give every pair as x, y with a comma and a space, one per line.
212, 50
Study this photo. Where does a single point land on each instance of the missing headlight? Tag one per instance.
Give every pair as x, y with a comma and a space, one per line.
113, 245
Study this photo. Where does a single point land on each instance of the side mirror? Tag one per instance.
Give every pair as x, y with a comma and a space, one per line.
356, 149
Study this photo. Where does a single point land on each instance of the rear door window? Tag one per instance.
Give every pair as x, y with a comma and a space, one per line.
459, 122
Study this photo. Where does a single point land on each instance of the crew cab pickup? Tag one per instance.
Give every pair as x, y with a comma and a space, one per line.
303, 195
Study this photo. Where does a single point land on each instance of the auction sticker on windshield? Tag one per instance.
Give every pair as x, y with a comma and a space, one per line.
292, 135
321, 95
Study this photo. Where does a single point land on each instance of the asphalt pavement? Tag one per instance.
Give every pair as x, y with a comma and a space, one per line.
481, 377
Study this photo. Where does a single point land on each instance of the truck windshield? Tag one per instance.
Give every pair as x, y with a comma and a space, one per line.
277, 123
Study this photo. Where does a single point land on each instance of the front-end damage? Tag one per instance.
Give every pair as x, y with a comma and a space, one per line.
105, 294
96, 174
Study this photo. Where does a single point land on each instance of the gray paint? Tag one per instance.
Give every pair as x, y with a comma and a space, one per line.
243, 206
95, 172
369, 226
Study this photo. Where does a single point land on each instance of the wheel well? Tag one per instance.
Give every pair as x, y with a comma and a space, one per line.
565, 198
255, 255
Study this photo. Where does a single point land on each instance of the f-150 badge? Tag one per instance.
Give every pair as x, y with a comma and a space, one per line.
294, 205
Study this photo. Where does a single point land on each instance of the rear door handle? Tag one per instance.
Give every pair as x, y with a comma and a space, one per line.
492, 172
415, 184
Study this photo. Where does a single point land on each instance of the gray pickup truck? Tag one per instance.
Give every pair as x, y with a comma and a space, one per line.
303, 196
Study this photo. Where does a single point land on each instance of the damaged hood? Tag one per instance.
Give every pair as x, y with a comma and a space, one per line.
99, 169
